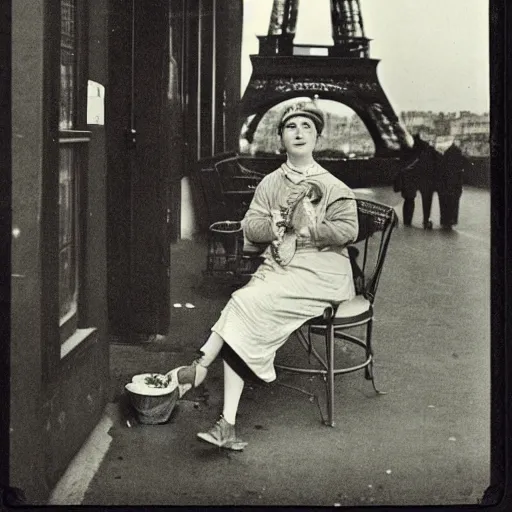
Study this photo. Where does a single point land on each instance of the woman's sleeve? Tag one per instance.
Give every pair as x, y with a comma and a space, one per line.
257, 222
339, 226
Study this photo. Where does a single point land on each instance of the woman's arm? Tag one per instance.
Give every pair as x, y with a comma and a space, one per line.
257, 222
339, 225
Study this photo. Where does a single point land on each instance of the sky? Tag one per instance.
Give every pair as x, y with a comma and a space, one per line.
434, 53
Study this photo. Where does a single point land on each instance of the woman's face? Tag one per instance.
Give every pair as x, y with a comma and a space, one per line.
299, 136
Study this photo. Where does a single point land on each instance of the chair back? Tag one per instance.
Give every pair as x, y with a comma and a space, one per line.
368, 252
237, 185
235, 177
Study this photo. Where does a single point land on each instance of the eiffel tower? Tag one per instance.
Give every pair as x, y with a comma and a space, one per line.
347, 74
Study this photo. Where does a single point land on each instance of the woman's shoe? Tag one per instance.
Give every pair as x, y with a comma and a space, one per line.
189, 376
222, 434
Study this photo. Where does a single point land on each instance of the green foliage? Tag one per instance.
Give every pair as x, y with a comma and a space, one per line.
157, 381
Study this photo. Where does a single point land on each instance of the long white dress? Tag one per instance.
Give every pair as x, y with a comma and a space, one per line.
259, 317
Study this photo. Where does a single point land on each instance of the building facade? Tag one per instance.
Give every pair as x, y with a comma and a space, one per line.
469, 130
112, 103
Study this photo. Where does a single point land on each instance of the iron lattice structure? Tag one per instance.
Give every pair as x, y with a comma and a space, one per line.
346, 74
348, 30
283, 19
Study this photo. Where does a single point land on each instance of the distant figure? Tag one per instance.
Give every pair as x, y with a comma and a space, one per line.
419, 174
449, 185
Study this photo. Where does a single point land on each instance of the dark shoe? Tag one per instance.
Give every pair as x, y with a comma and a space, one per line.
428, 225
222, 434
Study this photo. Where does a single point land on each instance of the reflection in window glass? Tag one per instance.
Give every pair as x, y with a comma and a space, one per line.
67, 284
67, 235
67, 64
344, 136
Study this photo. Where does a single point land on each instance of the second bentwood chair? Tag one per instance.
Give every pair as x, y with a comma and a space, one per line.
367, 254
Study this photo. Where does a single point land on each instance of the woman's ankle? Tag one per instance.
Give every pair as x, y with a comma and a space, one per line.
193, 374
203, 359
229, 419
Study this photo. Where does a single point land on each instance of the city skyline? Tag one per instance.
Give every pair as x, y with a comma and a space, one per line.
431, 63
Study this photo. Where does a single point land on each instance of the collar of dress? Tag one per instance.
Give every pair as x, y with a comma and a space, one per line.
296, 175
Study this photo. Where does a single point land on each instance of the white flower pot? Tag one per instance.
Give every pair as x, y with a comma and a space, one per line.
152, 405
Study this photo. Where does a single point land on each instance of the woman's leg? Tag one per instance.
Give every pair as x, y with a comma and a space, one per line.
223, 432
210, 350
194, 374
233, 387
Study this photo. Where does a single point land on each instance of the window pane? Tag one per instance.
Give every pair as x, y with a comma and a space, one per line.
67, 64
66, 197
67, 232
67, 283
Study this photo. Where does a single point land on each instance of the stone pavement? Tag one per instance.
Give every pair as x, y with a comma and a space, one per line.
425, 442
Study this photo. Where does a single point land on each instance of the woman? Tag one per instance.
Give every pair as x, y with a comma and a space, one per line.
306, 217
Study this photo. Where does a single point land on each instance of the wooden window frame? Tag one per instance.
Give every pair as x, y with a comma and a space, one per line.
53, 334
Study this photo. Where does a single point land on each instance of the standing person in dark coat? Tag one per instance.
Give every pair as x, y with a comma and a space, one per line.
449, 185
419, 174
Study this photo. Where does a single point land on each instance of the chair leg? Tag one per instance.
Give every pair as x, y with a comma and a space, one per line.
368, 371
368, 374
210, 254
330, 375
237, 262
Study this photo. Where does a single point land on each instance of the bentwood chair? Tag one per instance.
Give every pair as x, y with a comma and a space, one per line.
238, 184
368, 255
235, 186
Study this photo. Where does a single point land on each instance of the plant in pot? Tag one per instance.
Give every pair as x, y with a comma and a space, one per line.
153, 397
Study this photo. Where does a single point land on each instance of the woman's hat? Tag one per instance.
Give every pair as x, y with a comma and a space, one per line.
308, 110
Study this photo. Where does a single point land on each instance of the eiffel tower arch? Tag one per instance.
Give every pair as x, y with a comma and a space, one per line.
347, 74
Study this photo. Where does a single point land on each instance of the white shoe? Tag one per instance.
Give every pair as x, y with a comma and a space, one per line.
189, 376
222, 434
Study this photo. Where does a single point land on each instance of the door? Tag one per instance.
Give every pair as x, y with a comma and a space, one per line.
138, 181
174, 119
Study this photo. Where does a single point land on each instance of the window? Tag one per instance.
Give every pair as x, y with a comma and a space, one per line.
73, 139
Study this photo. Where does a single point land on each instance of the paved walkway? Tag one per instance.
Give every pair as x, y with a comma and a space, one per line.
426, 442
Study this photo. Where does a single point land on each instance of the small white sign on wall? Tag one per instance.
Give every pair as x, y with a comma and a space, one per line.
95, 103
